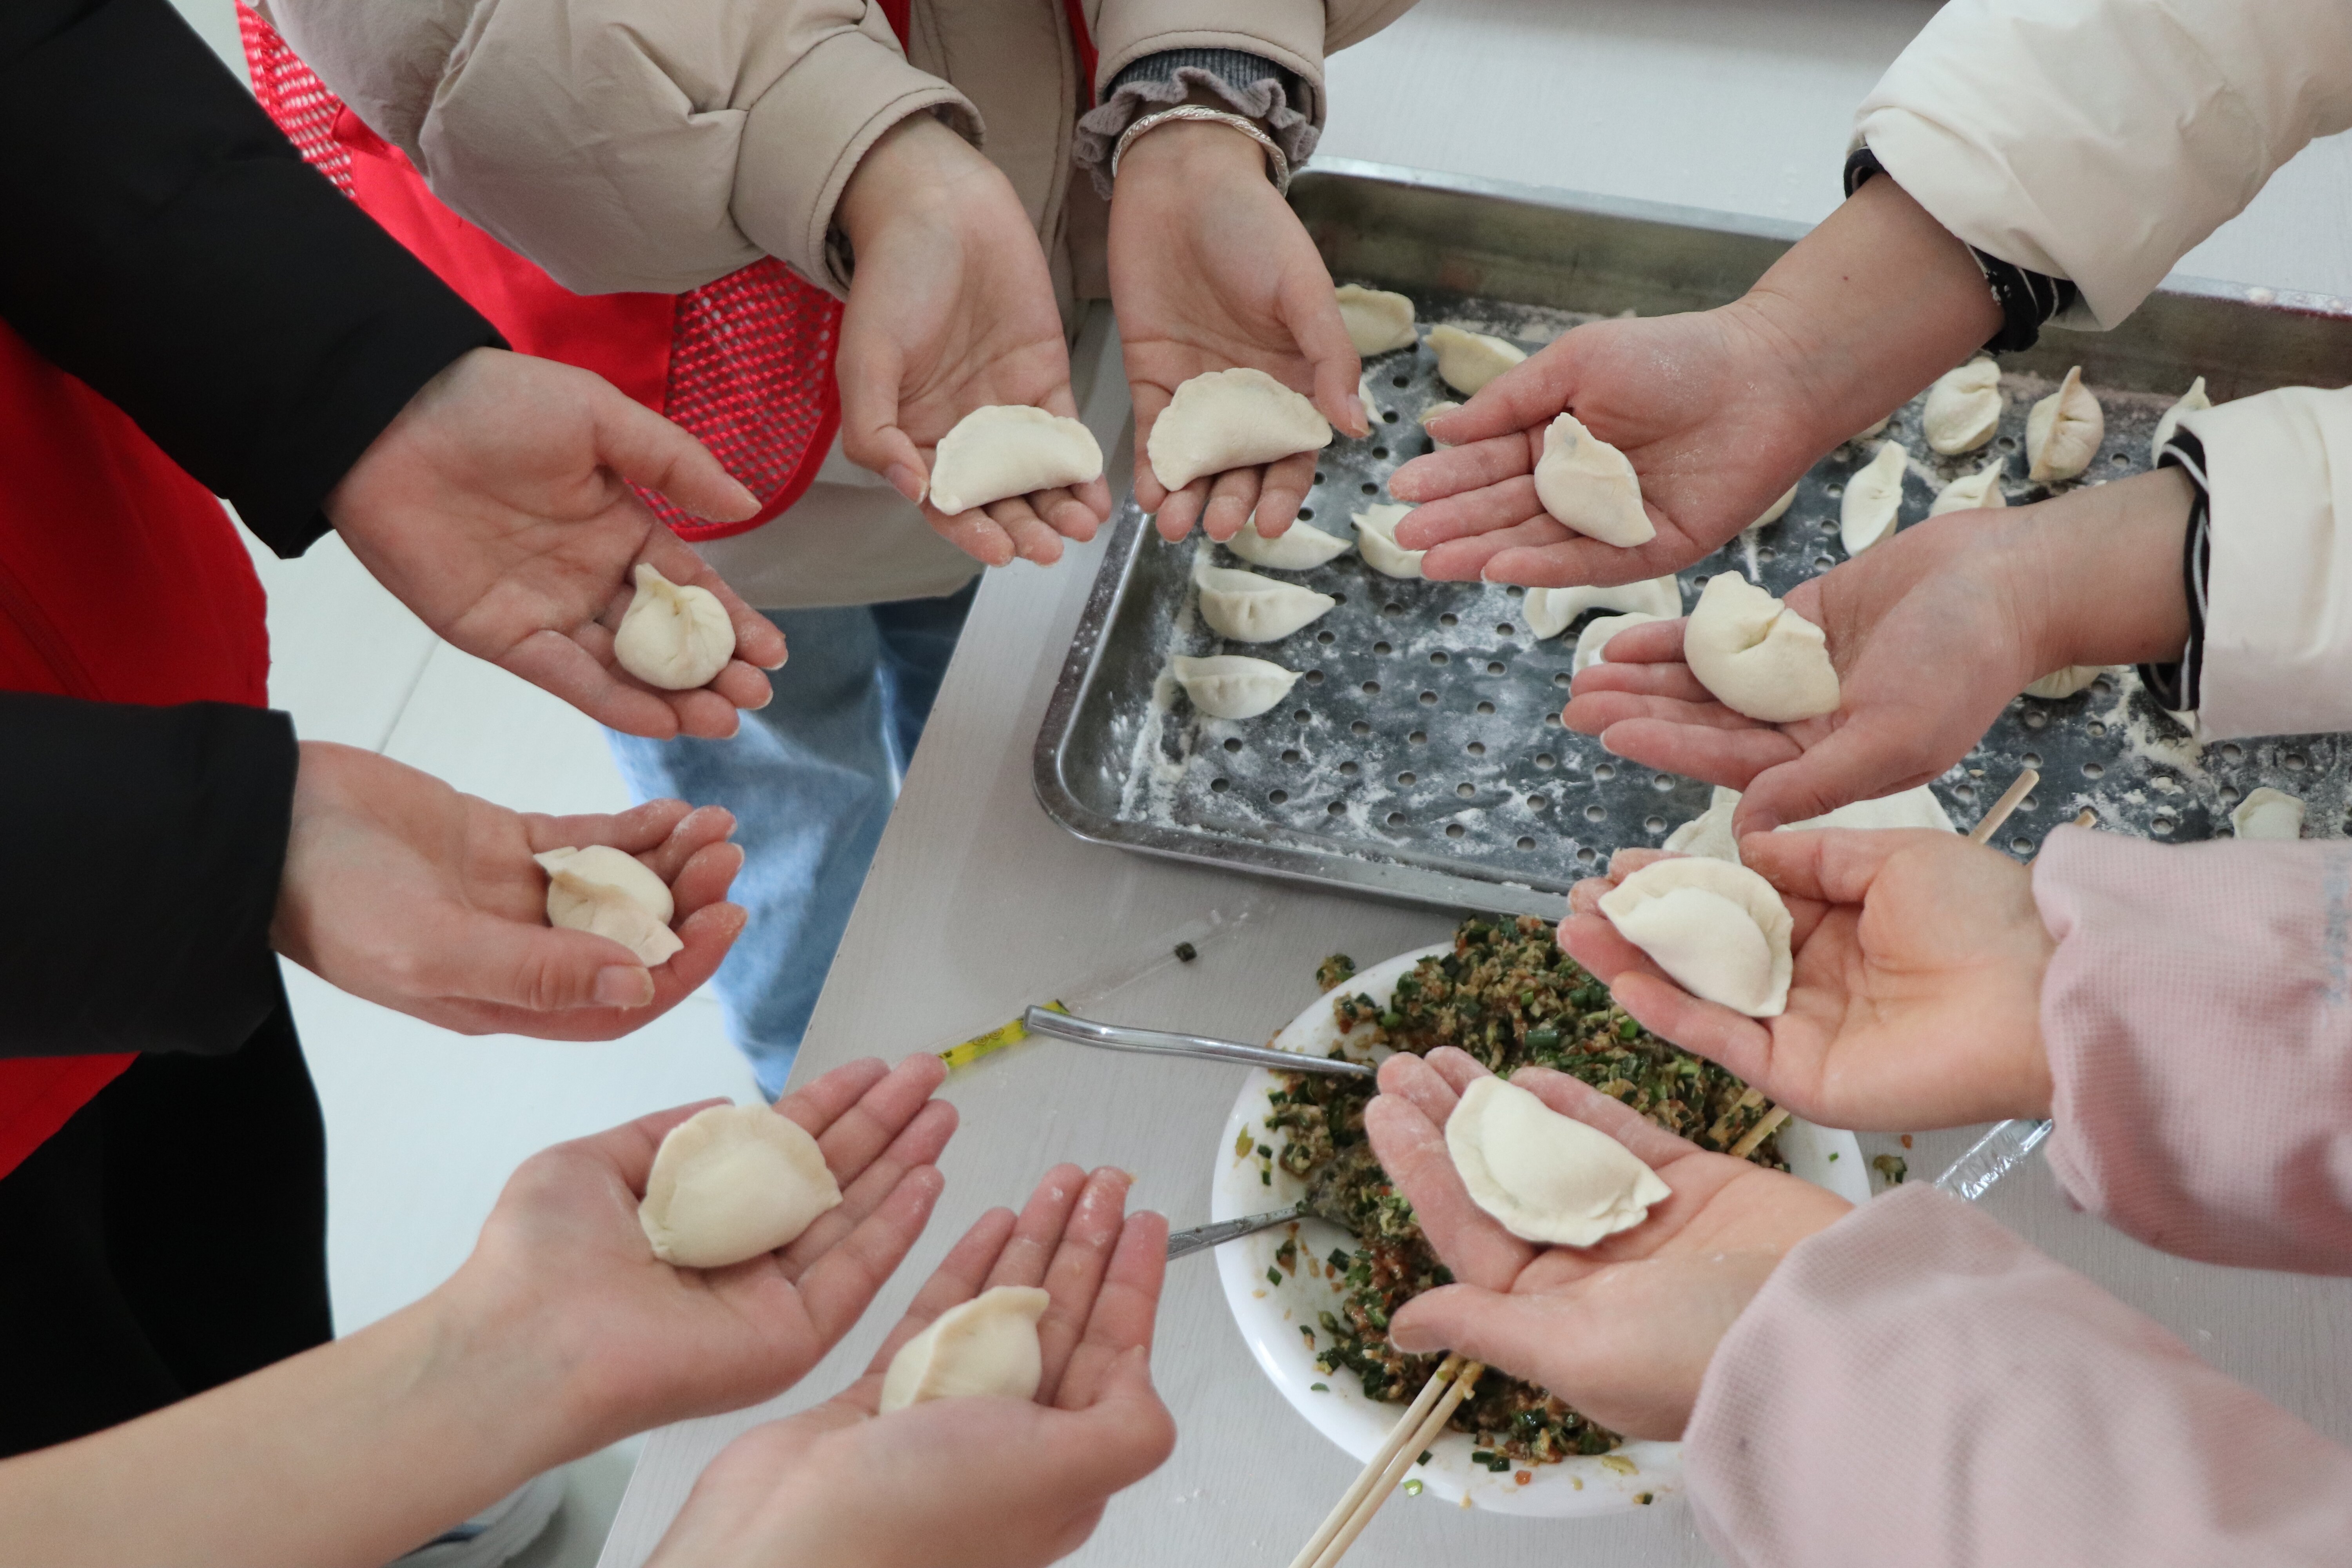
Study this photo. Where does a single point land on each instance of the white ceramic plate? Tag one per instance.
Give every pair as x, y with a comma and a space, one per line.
1270, 1315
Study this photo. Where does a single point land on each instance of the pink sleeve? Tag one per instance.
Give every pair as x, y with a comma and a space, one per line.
2199, 1020
1917, 1386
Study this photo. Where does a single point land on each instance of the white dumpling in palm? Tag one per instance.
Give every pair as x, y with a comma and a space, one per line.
1299, 548
1010, 449
1971, 492
1468, 361
731, 1183
1589, 486
612, 894
2063, 432
1873, 499
1376, 529
1376, 319
1544, 1176
984, 1348
673, 636
1757, 655
1227, 419
1718, 930
2193, 401
1592, 642
1247, 607
1551, 611
1232, 685
1963, 409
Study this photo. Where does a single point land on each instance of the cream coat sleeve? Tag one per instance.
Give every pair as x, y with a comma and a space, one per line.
2278, 601
2100, 139
1295, 34
614, 143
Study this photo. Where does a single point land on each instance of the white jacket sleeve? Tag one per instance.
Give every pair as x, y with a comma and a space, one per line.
2277, 656
2100, 139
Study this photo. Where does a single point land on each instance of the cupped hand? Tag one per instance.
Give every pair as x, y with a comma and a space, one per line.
976, 1483
1915, 999
1930, 645
1624, 1330
1210, 269
563, 1268
952, 309
402, 891
496, 506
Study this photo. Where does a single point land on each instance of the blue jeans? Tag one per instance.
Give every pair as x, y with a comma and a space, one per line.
811, 778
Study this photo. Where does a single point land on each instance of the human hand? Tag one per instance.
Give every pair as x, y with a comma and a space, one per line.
402, 891
496, 506
1915, 999
1624, 1330
971, 1483
1719, 411
1932, 633
1210, 269
952, 309
564, 1274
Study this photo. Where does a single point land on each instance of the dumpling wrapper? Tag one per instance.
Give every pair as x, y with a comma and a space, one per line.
1963, 409
2063, 432
1718, 930
673, 636
1757, 655
1592, 642
1778, 509
1232, 685
2065, 682
1971, 492
1551, 611
1376, 529
613, 894
1468, 361
1300, 548
1010, 449
1589, 486
2268, 813
986, 1347
1874, 497
1875, 427
1247, 607
1710, 833
1376, 319
732, 1183
2193, 401
1231, 419
1544, 1176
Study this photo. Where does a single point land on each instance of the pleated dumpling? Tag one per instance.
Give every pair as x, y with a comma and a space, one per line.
1468, 361
1971, 492
1551, 611
1232, 685
611, 893
986, 1347
674, 635
1718, 930
1757, 655
2064, 431
1589, 486
1544, 1176
1592, 642
1963, 408
1874, 497
1300, 547
2193, 401
1376, 529
1010, 449
1247, 607
1376, 319
1231, 419
731, 1183
2268, 813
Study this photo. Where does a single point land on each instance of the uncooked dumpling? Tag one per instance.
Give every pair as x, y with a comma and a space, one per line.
1759, 656
1010, 449
985, 1347
1376, 529
1247, 607
1299, 548
1774, 513
1876, 427
1544, 1176
1376, 319
1971, 492
1231, 419
2193, 401
1873, 498
1710, 833
1963, 408
1594, 640
1589, 486
1468, 361
2064, 431
732, 1183
2067, 681
1551, 611
1230, 686
612, 894
2268, 814
1719, 930
672, 636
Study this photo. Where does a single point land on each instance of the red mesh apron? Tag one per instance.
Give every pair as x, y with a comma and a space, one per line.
121, 580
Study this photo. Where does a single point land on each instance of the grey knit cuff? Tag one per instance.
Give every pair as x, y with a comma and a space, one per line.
1247, 84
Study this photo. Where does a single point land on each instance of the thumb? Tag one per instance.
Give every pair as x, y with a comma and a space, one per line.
1311, 310
868, 367
647, 450
1858, 761
1127, 1432
545, 969
1514, 1334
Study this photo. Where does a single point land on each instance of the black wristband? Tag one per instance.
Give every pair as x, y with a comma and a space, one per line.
2027, 298
2175, 687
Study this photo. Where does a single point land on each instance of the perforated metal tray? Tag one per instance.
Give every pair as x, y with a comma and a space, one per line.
1422, 757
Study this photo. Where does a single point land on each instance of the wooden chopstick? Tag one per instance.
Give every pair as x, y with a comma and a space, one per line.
1402, 1438
1758, 1133
1983, 831
1406, 1454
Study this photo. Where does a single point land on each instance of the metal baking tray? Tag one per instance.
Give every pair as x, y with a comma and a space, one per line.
1422, 757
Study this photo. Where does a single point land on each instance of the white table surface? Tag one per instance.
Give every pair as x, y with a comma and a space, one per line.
978, 904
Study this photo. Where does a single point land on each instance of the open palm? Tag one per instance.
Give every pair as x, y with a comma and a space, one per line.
1929, 646
1622, 1329
1917, 994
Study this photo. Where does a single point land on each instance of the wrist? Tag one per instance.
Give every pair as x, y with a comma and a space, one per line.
517, 1380
1189, 149
914, 166
2094, 575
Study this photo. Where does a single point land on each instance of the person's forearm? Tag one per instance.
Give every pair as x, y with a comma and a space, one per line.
1869, 307
351, 1454
2096, 573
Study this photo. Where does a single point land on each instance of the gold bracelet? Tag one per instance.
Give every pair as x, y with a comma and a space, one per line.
1277, 166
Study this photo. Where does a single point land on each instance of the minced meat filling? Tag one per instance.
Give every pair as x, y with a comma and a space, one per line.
1509, 997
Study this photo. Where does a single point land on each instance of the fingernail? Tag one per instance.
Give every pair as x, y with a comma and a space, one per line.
746, 504
1607, 747
906, 482
620, 985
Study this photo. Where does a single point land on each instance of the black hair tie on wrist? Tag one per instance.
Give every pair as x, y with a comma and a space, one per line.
2026, 298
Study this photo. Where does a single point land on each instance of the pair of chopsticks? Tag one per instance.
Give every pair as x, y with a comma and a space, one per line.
1447, 1387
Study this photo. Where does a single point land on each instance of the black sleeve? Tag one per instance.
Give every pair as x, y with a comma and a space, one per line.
143, 848
173, 250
